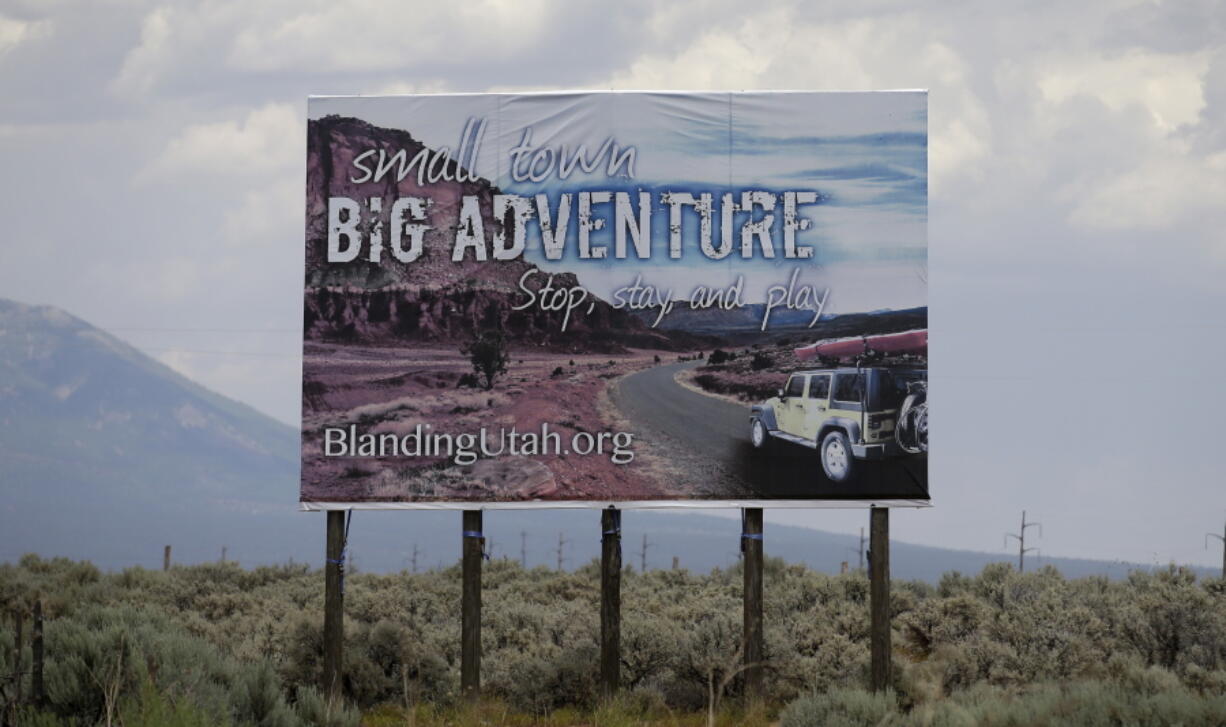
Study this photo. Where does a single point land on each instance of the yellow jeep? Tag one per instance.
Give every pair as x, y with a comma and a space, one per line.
847, 414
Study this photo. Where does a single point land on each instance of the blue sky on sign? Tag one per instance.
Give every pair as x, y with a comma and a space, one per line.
863, 154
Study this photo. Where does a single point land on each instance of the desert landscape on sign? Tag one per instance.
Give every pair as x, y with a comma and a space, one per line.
430, 310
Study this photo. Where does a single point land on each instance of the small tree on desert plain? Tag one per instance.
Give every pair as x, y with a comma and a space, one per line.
488, 354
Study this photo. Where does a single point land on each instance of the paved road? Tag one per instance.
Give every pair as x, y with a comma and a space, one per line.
689, 423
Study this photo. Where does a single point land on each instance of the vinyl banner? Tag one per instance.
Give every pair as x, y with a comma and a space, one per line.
584, 299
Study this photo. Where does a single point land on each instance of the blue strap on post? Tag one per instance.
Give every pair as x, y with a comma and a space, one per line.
340, 562
477, 534
752, 536
617, 525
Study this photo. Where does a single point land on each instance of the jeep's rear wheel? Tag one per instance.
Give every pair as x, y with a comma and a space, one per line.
757, 433
837, 459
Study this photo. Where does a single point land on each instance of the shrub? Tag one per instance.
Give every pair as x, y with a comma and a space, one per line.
761, 361
487, 352
258, 699
246, 645
840, 708
317, 711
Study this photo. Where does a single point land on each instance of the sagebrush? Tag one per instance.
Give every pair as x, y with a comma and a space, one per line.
219, 644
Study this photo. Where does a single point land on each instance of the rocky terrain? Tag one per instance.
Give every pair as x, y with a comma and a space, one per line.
433, 299
392, 390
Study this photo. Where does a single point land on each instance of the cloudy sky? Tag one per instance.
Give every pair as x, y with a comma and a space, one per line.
154, 173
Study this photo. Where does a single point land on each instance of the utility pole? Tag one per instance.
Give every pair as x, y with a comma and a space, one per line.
861, 566
1022, 550
523, 549
561, 550
643, 554
859, 552
1222, 538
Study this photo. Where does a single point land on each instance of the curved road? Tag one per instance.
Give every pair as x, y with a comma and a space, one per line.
689, 424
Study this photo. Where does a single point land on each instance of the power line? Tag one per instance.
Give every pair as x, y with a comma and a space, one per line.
205, 352
154, 329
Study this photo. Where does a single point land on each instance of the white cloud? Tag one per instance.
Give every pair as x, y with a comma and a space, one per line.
369, 34
403, 88
268, 213
1169, 86
140, 68
227, 371
14, 32
1159, 192
268, 139
237, 37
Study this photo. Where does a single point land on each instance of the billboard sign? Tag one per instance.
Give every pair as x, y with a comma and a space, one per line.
584, 299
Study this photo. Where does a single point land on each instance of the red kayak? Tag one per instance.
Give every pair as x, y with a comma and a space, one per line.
906, 342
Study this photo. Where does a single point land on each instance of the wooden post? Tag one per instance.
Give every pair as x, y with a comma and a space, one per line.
38, 692
610, 600
751, 539
18, 624
470, 607
334, 605
166, 558
879, 596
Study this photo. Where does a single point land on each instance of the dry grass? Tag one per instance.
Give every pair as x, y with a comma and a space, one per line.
624, 711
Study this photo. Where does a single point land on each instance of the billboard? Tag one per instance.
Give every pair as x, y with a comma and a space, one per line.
641, 299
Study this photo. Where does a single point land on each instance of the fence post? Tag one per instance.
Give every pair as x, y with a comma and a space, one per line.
470, 606
334, 605
610, 600
751, 539
18, 625
879, 596
38, 692
166, 558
